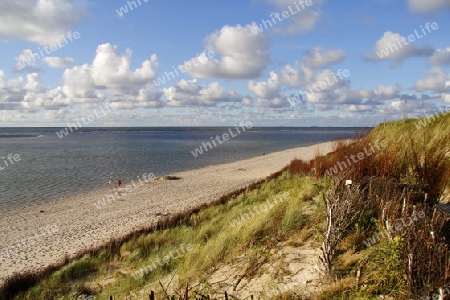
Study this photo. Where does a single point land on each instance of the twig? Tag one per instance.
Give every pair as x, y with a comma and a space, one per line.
164, 290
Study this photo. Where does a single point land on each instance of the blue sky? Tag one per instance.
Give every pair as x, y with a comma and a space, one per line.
234, 67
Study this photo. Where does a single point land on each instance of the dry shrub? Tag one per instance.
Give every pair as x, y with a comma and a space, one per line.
427, 160
344, 209
425, 253
422, 229
299, 167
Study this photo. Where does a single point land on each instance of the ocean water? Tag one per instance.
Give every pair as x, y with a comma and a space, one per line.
51, 168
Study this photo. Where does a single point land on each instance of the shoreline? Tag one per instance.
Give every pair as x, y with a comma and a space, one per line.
83, 226
104, 186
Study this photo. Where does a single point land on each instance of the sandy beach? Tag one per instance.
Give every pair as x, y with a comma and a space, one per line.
44, 234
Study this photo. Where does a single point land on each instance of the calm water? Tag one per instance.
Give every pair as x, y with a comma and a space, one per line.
51, 168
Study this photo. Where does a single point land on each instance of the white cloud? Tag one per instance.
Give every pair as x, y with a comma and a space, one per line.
266, 89
33, 81
441, 57
325, 90
110, 70
297, 76
435, 80
348, 99
78, 83
11, 92
108, 78
59, 62
243, 54
247, 101
389, 92
357, 108
146, 97
26, 62
301, 18
190, 93
421, 6
42, 21
319, 58
446, 98
274, 103
345, 96
393, 108
392, 46
30, 96
327, 81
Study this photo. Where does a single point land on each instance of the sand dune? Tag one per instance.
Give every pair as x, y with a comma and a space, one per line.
41, 235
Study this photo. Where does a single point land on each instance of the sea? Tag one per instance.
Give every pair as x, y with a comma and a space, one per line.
37, 165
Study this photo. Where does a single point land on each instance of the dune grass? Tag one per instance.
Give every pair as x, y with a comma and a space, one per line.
413, 155
411, 173
415, 158
251, 222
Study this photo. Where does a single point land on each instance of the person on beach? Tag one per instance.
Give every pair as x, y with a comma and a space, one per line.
119, 182
110, 184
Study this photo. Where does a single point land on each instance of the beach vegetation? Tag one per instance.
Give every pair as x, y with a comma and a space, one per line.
376, 223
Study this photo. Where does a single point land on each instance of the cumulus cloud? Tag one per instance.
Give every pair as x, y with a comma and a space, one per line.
190, 93
392, 46
324, 86
11, 92
59, 62
446, 98
357, 108
388, 92
107, 78
364, 100
29, 95
301, 77
334, 97
327, 80
351, 99
274, 103
301, 18
110, 70
421, 6
42, 22
441, 57
266, 89
247, 101
242, 54
393, 108
319, 58
325, 90
26, 62
296, 76
146, 97
435, 80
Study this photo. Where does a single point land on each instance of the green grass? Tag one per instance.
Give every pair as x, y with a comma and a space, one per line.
414, 157
214, 241
422, 152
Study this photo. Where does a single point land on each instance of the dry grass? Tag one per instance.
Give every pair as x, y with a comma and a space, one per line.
410, 174
394, 181
215, 242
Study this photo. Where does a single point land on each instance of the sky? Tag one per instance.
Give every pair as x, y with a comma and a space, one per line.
217, 63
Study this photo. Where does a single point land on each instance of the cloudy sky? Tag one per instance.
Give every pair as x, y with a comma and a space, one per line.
198, 62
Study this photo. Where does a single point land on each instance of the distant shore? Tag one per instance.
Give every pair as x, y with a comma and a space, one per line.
14, 136
79, 224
